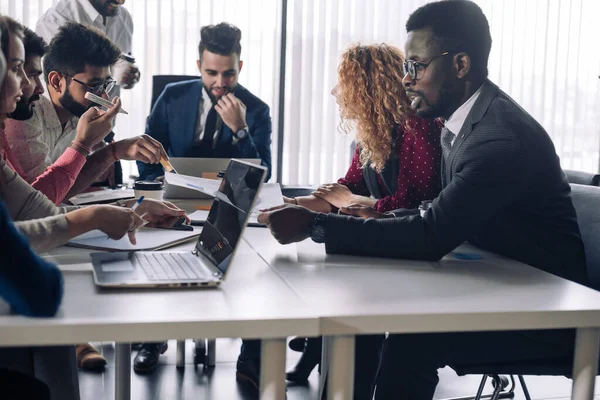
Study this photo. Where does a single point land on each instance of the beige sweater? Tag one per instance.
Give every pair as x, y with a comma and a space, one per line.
36, 216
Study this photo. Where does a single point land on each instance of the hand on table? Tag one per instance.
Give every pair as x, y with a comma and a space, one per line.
159, 214
288, 223
335, 194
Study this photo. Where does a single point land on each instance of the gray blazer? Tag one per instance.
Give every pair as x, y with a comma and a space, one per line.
505, 192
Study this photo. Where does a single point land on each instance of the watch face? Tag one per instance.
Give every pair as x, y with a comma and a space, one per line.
241, 133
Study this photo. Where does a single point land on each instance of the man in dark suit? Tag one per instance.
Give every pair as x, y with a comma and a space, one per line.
209, 117
213, 116
503, 190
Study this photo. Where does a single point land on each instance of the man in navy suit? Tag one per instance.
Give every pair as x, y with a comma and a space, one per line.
213, 116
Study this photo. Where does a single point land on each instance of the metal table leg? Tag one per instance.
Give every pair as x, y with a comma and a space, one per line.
272, 370
325, 357
180, 360
585, 364
122, 371
341, 368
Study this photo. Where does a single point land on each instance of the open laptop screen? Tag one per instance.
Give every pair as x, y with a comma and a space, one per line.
229, 213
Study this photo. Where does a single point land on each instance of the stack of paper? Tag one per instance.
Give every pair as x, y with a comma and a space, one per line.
102, 196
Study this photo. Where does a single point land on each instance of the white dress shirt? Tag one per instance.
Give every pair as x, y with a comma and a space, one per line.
204, 108
458, 117
119, 29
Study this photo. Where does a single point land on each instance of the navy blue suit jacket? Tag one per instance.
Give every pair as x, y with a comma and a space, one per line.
172, 122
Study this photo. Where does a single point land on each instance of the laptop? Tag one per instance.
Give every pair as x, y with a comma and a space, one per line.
208, 263
196, 167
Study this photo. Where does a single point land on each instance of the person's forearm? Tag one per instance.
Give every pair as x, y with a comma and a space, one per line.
97, 163
365, 201
314, 203
82, 221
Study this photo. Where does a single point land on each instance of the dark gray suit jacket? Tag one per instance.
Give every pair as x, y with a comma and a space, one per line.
505, 192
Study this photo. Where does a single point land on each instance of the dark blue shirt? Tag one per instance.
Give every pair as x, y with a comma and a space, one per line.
32, 286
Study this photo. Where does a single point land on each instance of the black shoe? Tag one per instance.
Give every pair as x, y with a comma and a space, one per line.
248, 372
311, 356
147, 359
297, 344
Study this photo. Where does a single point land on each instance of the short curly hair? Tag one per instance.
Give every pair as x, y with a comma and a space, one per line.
372, 99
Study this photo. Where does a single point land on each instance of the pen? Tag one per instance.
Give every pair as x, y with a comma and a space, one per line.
167, 165
137, 203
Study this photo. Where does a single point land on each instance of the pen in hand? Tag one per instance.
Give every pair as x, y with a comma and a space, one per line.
137, 203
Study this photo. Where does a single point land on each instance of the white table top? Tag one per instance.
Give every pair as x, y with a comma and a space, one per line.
372, 295
253, 302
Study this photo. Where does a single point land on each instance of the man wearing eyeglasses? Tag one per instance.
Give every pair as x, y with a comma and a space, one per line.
503, 190
45, 131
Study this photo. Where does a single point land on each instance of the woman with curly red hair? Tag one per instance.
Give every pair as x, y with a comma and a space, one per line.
397, 159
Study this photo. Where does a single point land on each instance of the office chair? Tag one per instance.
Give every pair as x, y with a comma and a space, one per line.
586, 199
160, 81
583, 178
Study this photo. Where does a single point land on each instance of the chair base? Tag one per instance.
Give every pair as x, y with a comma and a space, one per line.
500, 384
205, 351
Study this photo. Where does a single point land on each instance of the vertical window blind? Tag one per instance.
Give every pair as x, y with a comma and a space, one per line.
543, 55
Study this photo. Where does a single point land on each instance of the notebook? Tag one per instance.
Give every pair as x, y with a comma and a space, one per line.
146, 238
207, 265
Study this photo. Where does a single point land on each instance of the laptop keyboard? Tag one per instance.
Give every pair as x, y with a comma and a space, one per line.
172, 267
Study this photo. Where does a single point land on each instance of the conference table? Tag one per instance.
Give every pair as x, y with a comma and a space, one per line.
361, 295
253, 302
274, 291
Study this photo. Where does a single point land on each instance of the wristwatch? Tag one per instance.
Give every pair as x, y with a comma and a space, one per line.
242, 133
317, 230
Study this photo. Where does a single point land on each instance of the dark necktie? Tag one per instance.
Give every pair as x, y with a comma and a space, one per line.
446, 142
209, 129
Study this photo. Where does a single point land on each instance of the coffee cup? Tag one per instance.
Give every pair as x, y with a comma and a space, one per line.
148, 189
121, 68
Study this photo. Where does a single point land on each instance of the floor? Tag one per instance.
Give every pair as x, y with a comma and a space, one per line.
168, 382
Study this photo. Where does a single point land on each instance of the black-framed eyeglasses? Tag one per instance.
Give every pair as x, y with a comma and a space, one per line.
416, 69
106, 86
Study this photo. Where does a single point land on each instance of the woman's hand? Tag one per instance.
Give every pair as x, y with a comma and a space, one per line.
335, 194
160, 214
116, 222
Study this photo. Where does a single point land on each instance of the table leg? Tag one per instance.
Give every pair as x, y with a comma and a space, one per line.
325, 357
585, 364
122, 371
180, 359
340, 385
272, 369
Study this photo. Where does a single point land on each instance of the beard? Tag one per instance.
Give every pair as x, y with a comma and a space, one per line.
24, 109
72, 106
445, 101
213, 98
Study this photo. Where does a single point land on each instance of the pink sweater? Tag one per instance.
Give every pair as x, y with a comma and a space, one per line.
56, 181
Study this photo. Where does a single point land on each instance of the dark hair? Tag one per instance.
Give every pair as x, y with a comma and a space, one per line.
74, 46
223, 39
9, 27
34, 44
458, 26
